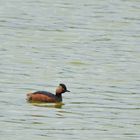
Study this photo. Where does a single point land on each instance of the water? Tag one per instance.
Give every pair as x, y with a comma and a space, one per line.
92, 46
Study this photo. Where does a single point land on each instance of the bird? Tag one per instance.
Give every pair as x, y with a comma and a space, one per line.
48, 97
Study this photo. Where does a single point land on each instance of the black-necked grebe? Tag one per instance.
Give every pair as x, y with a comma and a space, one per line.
45, 96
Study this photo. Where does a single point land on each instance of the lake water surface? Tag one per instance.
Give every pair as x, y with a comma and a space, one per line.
92, 46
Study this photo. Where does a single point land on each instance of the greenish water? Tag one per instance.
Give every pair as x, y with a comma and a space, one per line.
92, 46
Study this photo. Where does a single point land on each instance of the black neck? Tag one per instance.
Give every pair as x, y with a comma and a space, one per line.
58, 95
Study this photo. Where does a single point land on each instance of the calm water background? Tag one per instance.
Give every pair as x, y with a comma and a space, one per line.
92, 46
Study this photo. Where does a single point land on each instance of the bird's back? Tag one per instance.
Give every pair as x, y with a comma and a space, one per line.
43, 96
